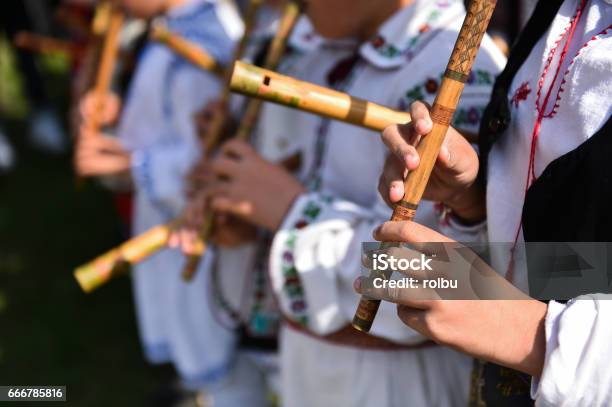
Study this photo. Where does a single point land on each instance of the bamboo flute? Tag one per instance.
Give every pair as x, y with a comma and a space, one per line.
187, 49
272, 87
112, 263
218, 123
457, 72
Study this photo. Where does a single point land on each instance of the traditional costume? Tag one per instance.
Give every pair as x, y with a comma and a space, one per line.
175, 321
316, 254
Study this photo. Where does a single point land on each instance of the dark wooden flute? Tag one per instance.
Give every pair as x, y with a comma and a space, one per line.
457, 72
217, 125
249, 118
110, 51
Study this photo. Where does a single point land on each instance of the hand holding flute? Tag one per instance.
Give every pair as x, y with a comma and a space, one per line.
96, 155
457, 72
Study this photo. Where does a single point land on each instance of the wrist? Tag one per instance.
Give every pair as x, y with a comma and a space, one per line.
524, 347
290, 196
469, 206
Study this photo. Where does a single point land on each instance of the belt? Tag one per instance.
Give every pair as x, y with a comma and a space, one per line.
349, 336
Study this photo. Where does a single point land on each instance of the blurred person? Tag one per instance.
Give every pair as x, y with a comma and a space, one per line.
389, 52
241, 292
155, 148
545, 143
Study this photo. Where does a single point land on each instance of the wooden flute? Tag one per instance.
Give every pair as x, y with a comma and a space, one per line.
218, 122
272, 87
277, 48
110, 51
457, 72
187, 49
114, 262
47, 45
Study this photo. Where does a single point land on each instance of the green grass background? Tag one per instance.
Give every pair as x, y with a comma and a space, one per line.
50, 332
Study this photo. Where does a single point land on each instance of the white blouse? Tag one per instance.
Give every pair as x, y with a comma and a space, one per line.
316, 254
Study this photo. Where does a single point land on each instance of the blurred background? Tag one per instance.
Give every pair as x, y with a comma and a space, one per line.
50, 332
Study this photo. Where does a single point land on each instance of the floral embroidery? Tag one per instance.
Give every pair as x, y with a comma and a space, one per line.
478, 77
293, 285
389, 50
521, 94
431, 86
468, 116
378, 41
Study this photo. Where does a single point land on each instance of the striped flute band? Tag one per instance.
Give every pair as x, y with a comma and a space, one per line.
404, 211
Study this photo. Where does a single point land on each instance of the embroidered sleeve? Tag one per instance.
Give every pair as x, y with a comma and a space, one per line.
160, 169
315, 258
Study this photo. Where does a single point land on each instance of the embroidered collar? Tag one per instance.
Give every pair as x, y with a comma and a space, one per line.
304, 37
187, 17
402, 36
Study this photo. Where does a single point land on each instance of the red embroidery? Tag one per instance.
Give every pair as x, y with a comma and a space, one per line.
521, 94
543, 104
431, 86
378, 42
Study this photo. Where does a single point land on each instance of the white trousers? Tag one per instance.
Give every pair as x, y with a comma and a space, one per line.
315, 373
253, 382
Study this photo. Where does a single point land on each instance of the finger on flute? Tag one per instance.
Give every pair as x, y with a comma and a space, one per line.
215, 130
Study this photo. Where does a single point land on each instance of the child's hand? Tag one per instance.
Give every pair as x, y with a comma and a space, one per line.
230, 231
99, 155
485, 316
250, 187
453, 178
105, 109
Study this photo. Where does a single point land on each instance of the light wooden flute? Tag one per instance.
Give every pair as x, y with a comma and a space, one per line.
284, 90
217, 125
114, 262
108, 59
457, 72
187, 49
